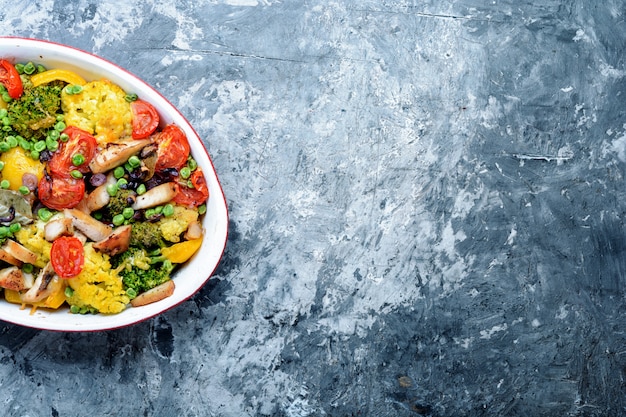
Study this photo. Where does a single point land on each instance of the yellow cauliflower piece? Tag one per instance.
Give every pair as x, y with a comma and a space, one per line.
98, 285
32, 237
101, 109
174, 226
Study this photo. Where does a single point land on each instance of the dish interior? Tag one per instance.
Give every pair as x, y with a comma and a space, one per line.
190, 277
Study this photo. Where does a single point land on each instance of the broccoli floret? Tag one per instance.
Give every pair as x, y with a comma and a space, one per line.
147, 235
35, 111
123, 198
140, 271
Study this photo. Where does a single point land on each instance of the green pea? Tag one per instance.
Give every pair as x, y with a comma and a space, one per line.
24, 144
76, 174
60, 118
4, 184
6, 121
54, 134
27, 268
119, 172
29, 68
3, 113
4, 232
44, 214
34, 154
78, 159
134, 161
4, 146
74, 309
141, 189
59, 126
15, 227
128, 212
64, 137
52, 145
23, 190
112, 189
69, 291
185, 173
122, 183
41, 68
192, 164
118, 219
6, 97
1, 165
202, 209
131, 97
168, 210
40, 146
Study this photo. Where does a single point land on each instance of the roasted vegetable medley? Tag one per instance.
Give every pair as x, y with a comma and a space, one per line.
100, 200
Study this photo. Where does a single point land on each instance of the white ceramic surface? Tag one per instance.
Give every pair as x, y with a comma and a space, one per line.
190, 277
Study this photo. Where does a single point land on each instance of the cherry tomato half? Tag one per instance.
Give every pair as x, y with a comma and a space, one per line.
192, 197
67, 256
145, 119
10, 78
80, 143
59, 193
173, 148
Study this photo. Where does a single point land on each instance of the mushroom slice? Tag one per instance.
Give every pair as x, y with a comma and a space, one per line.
116, 154
92, 228
19, 252
12, 278
157, 293
61, 226
158, 195
117, 242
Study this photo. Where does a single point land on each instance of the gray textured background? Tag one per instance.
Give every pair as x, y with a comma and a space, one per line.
426, 200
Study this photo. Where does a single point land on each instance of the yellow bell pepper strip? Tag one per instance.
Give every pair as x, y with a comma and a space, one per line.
181, 252
53, 301
69, 77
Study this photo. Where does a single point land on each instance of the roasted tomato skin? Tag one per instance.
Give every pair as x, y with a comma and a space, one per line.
59, 193
79, 142
67, 256
173, 148
192, 197
145, 119
10, 78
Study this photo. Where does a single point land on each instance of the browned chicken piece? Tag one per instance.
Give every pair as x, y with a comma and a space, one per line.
156, 196
12, 278
116, 154
117, 242
19, 252
43, 286
92, 228
157, 293
62, 226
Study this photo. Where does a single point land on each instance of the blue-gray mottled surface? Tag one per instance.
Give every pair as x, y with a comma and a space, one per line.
427, 204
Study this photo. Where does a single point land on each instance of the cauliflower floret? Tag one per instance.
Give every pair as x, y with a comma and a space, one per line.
174, 226
101, 109
97, 286
32, 237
